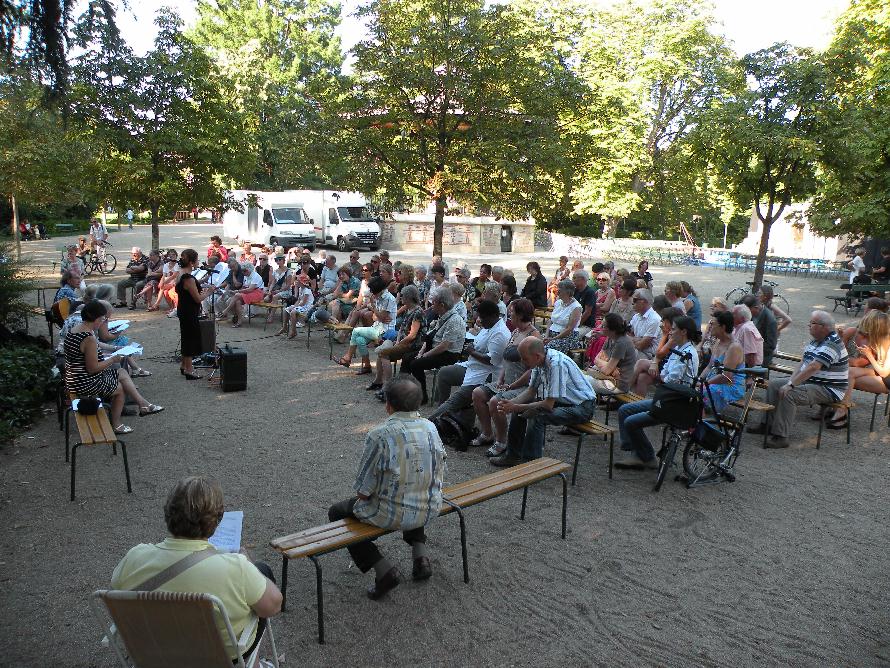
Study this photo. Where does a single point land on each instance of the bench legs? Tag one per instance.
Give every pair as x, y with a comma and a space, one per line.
463, 538
114, 450
319, 595
578, 455
565, 497
284, 561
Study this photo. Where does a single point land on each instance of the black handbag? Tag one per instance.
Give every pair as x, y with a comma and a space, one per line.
676, 404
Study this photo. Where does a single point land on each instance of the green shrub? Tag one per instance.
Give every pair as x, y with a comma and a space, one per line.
26, 378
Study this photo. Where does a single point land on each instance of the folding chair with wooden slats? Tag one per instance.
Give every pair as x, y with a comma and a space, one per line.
157, 629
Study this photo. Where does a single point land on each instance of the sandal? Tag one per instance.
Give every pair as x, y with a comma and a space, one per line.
151, 409
341, 362
142, 373
842, 424
482, 439
364, 371
123, 429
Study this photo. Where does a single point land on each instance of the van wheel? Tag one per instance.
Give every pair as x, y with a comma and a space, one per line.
342, 246
273, 241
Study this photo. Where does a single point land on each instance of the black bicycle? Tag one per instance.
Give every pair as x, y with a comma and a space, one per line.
713, 443
100, 261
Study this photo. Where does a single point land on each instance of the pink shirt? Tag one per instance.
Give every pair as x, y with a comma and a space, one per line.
750, 340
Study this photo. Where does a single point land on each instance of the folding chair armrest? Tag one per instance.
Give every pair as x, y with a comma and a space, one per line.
245, 639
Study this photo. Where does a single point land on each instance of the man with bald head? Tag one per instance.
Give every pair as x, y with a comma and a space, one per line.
821, 378
558, 393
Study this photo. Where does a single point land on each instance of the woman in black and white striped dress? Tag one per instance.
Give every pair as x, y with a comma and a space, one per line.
89, 374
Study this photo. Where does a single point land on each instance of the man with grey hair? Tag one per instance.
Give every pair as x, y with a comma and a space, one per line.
355, 266
746, 335
765, 322
136, 270
398, 485
445, 338
821, 378
497, 273
586, 296
328, 280
645, 323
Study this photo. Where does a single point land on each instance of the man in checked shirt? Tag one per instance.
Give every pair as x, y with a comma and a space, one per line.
398, 486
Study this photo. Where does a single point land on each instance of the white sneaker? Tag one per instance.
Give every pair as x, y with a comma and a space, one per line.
300, 325
496, 450
172, 314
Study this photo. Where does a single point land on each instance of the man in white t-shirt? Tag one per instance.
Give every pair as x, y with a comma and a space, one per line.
485, 359
645, 323
857, 264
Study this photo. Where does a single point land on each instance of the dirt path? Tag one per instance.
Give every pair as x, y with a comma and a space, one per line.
787, 566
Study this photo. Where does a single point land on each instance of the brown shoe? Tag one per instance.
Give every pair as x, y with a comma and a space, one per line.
384, 585
422, 569
777, 443
505, 460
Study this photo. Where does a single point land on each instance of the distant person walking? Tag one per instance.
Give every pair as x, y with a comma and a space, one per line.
130, 219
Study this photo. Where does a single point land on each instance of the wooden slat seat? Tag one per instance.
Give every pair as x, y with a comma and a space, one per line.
93, 430
781, 368
313, 542
754, 405
787, 356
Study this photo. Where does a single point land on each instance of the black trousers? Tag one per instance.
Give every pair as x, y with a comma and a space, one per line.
266, 570
417, 367
366, 554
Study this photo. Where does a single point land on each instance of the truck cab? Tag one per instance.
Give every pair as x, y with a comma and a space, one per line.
288, 225
350, 226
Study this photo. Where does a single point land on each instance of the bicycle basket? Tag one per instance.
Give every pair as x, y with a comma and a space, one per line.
677, 405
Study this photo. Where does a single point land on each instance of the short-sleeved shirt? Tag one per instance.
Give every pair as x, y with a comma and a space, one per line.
587, 298
402, 471
222, 251
622, 350
561, 378
450, 327
387, 302
141, 263
747, 336
681, 368
832, 355
329, 279
409, 318
491, 342
461, 309
253, 281
230, 577
858, 263
647, 324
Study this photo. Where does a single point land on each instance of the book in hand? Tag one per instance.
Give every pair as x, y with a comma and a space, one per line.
227, 537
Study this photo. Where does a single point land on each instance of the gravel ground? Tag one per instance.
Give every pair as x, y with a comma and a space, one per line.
786, 566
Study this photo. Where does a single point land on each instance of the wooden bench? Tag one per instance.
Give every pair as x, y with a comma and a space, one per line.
755, 405
268, 307
781, 368
621, 398
332, 329
787, 356
95, 430
333, 536
593, 428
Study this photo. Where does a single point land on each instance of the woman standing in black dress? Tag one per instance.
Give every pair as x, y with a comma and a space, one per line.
188, 310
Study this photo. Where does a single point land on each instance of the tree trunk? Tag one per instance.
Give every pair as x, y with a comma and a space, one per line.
761, 254
15, 228
439, 224
155, 228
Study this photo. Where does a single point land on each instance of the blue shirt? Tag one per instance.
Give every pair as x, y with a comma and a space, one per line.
695, 311
678, 369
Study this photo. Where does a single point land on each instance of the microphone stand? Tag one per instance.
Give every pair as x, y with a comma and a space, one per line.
210, 360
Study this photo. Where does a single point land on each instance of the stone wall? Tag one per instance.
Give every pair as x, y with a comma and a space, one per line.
462, 234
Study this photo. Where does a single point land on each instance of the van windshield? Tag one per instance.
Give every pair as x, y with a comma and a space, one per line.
355, 213
289, 216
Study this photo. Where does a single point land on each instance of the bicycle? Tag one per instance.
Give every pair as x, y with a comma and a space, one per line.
712, 443
100, 261
735, 295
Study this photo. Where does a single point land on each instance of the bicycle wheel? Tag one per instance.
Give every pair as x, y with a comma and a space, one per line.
667, 461
108, 265
88, 264
782, 303
735, 295
697, 460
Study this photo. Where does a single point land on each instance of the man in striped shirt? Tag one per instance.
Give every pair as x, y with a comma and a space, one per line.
821, 378
398, 486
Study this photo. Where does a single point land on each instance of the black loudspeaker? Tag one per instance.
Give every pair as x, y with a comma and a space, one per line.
208, 335
232, 369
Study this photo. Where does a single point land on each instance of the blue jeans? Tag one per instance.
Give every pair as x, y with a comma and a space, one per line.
632, 419
525, 438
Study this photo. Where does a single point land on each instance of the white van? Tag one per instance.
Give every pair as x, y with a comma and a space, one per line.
341, 219
275, 219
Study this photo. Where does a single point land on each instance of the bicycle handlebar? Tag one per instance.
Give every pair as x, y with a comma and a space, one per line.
758, 371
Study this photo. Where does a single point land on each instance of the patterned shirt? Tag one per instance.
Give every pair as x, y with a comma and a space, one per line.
401, 472
451, 327
408, 319
561, 379
832, 355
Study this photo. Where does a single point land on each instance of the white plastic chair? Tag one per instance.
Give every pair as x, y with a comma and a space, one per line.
159, 629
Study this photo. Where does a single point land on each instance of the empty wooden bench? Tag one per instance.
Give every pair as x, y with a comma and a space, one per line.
333, 536
95, 430
270, 308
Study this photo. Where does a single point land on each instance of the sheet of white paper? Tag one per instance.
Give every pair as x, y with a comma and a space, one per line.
470, 336
116, 324
199, 274
119, 328
130, 349
227, 537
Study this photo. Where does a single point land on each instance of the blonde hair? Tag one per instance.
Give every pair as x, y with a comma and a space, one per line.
194, 508
876, 326
674, 287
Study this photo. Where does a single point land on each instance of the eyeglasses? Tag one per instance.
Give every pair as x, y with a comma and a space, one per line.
638, 299
602, 280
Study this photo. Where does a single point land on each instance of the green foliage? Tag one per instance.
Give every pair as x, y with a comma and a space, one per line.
15, 283
854, 183
25, 377
277, 61
453, 100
